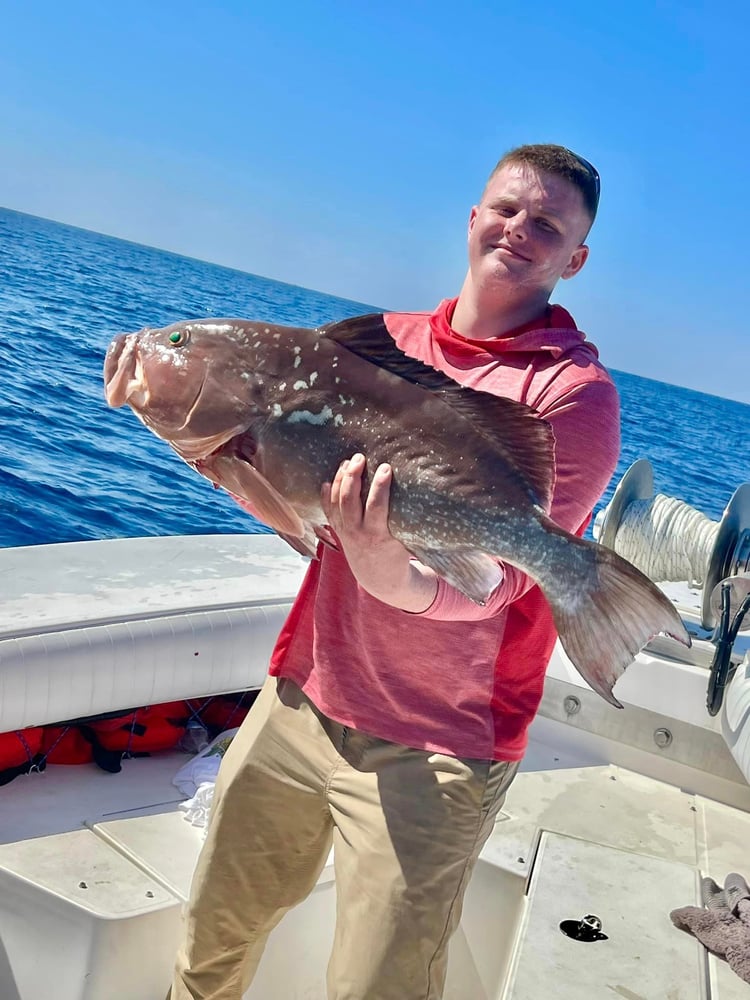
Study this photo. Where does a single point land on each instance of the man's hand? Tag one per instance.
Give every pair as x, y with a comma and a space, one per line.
380, 563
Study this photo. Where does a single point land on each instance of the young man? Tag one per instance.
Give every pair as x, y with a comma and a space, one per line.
396, 711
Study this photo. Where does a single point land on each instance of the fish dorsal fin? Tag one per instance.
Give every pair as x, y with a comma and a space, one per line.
368, 337
513, 428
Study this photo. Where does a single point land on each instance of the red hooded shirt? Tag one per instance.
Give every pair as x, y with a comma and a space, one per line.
459, 678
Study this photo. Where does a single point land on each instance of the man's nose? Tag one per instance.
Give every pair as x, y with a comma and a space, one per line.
515, 226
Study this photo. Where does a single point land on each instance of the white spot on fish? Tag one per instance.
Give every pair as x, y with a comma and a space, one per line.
276, 410
282, 386
306, 417
297, 360
300, 385
214, 328
297, 349
167, 355
338, 420
313, 377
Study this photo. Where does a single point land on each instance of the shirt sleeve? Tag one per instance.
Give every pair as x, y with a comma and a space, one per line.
585, 420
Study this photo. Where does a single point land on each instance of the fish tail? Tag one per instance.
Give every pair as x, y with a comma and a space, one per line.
606, 613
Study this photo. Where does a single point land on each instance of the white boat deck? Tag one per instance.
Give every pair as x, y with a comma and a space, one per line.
98, 864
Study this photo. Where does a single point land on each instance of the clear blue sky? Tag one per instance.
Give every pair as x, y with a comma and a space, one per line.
340, 146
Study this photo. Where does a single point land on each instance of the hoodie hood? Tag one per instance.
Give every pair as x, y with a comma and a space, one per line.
554, 333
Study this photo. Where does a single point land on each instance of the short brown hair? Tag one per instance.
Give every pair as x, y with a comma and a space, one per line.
562, 162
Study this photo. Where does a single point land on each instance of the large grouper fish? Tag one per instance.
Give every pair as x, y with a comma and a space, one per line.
269, 412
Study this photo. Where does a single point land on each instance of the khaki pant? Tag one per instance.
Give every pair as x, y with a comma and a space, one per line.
406, 825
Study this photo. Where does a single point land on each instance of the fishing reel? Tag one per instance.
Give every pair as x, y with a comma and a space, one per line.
723, 574
731, 602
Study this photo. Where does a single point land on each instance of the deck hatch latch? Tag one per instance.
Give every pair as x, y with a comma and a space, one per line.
588, 928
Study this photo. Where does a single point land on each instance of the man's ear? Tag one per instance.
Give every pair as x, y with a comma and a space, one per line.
579, 258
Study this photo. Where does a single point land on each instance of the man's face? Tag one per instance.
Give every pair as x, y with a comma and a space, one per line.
527, 231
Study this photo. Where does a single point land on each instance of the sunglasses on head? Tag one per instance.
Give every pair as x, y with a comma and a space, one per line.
591, 171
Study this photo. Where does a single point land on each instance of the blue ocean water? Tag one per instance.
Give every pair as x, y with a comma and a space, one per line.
73, 469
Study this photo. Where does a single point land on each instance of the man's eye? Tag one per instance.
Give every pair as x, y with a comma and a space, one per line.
547, 226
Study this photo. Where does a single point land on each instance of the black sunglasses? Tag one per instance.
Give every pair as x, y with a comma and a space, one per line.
592, 172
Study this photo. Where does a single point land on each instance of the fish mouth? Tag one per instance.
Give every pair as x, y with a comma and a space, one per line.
125, 382
125, 379
123, 374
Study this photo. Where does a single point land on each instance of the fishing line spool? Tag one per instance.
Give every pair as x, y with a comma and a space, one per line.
670, 541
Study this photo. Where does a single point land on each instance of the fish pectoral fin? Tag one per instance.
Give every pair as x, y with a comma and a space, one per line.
471, 571
238, 476
307, 546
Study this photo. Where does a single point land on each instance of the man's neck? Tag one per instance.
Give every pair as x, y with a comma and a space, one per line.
481, 320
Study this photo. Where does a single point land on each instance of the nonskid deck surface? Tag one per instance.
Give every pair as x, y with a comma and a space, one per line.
628, 849
595, 839
64, 798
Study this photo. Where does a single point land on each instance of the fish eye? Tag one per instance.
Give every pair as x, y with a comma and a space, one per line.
178, 337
